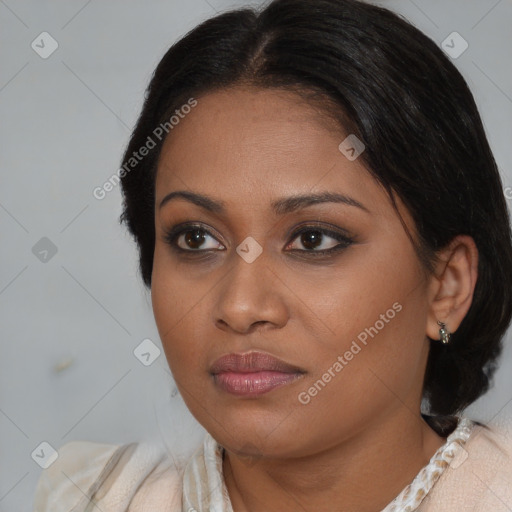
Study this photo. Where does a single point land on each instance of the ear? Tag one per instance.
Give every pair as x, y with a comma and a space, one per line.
450, 290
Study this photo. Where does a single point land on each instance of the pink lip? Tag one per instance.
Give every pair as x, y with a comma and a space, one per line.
252, 373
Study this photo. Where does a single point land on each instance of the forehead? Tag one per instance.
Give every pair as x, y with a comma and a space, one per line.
247, 144
241, 113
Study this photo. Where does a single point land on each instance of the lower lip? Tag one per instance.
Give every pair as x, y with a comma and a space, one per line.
253, 384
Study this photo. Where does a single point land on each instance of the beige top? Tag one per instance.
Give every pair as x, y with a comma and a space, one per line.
472, 471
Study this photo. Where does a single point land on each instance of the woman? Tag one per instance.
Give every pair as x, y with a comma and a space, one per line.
323, 229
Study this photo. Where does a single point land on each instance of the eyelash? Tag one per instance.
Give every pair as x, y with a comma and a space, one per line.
171, 236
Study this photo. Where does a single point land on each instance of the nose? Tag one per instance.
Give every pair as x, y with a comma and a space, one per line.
250, 296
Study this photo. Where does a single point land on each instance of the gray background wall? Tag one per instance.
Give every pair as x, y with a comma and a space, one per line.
70, 321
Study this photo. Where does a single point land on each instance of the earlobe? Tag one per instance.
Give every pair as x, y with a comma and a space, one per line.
452, 287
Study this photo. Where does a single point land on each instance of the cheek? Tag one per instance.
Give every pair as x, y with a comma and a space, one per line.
173, 294
375, 313
175, 308
372, 367
349, 299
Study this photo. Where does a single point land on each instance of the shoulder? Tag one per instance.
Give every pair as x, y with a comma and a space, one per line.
62, 485
112, 476
479, 478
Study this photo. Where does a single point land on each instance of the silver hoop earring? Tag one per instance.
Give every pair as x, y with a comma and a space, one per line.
444, 333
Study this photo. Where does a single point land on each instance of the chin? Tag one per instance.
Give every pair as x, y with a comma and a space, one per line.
271, 435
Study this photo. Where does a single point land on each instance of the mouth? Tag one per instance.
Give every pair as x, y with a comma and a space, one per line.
252, 373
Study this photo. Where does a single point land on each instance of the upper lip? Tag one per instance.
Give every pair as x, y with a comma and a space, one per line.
251, 362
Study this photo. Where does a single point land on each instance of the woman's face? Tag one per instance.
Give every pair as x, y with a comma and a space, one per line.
349, 324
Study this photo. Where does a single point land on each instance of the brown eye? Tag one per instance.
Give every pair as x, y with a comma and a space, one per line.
194, 238
311, 239
316, 240
191, 239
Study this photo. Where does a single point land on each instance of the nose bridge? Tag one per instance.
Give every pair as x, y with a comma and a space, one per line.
248, 291
247, 278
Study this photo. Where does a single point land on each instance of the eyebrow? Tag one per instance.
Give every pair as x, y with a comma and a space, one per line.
281, 206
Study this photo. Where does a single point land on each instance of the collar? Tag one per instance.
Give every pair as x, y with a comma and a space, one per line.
204, 489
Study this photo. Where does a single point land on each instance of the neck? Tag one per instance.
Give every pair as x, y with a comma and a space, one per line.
363, 473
